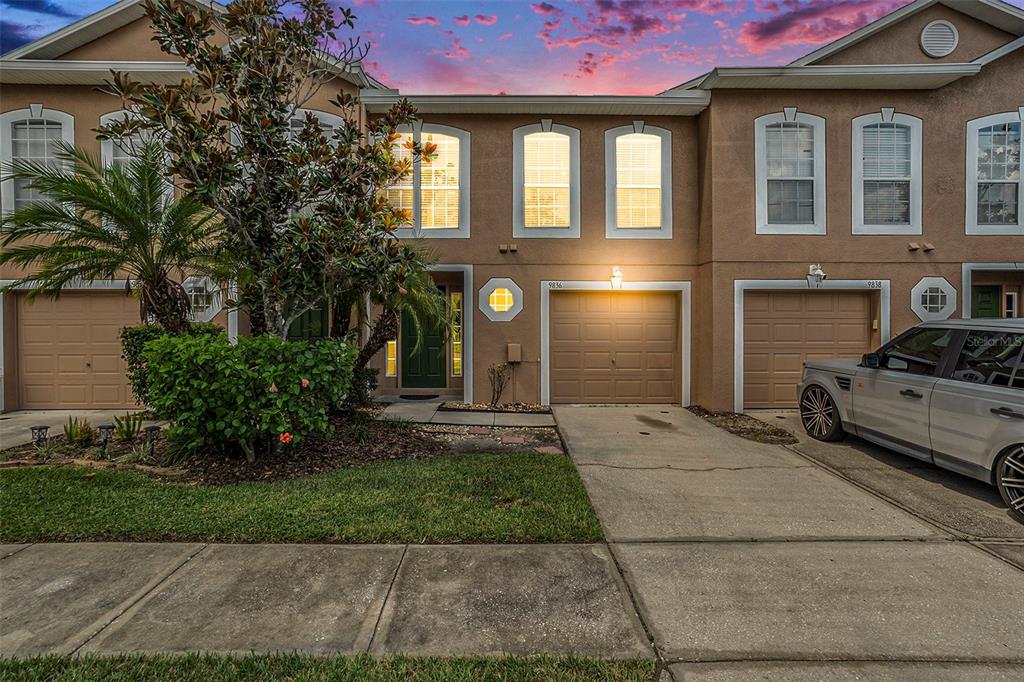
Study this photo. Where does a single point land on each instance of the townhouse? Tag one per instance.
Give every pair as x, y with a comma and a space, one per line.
689, 247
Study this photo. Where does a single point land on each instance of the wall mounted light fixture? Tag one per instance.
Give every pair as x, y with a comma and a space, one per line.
616, 278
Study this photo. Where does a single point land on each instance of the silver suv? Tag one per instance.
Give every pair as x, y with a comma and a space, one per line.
947, 392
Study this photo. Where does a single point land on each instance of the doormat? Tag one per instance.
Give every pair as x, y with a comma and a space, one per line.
419, 397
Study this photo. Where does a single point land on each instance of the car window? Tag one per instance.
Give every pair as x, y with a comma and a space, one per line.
918, 352
992, 358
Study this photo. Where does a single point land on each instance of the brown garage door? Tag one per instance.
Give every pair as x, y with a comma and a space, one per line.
69, 354
782, 329
614, 347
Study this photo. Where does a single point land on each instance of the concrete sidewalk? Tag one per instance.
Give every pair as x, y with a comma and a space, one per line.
320, 599
428, 412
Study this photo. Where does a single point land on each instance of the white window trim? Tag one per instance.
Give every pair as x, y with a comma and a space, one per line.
416, 231
612, 229
971, 216
790, 114
926, 283
216, 298
967, 281
495, 315
685, 312
916, 129
741, 286
7, 120
519, 229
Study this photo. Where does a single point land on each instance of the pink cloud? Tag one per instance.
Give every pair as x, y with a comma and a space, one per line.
545, 9
505, 36
463, 20
455, 50
590, 63
419, 21
812, 23
490, 20
720, 24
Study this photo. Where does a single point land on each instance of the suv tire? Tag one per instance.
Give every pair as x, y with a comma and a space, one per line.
819, 415
1009, 479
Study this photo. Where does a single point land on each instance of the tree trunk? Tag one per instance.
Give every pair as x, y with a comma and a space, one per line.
341, 314
385, 328
166, 302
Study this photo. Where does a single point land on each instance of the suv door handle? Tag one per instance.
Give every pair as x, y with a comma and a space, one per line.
911, 393
1006, 412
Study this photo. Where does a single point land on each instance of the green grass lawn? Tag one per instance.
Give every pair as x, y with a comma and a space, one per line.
465, 498
208, 668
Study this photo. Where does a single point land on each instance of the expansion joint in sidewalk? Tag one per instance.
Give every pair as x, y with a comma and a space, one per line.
387, 596
670, 467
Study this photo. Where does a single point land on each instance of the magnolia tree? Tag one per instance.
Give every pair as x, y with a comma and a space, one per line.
304, 213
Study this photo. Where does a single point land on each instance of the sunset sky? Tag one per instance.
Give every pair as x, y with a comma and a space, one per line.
579, 46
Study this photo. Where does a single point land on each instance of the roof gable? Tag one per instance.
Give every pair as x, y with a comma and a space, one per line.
987, 18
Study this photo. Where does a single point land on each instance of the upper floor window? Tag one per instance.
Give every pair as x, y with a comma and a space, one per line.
546, 177
436, 193
118, 151
31, 135
995, 193
790, 173
886, 174
638, 182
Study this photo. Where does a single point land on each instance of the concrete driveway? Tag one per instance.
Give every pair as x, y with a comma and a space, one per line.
749, 561
14, 426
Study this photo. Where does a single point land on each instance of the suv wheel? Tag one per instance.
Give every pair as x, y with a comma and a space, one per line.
819, 415
1010, 480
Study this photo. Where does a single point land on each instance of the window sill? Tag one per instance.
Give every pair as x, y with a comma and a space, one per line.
546, 232
983, 230
433, 233
887, 229
638, 232
791, 229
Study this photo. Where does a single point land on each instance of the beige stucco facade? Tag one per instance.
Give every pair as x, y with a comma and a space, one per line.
715, 253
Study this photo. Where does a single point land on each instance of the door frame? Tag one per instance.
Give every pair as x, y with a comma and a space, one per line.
401, 354
685, 305
968, 275
741, 286
467, 325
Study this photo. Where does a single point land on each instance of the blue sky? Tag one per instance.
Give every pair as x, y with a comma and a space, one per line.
575, 46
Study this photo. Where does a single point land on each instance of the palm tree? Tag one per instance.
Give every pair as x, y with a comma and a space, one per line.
101, 222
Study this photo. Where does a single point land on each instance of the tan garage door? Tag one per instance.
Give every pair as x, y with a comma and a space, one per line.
69, 353
614, 347
782, 329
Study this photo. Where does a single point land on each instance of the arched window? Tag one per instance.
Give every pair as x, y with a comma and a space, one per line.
995, 189
546, 181
638, 182
790, 173
886, 174
30, 135
436, 192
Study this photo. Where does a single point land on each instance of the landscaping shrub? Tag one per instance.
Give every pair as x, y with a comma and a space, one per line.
79, 432
129, 427
253, 396
134, 339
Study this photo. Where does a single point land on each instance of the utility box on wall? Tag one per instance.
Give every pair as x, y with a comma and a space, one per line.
515, 353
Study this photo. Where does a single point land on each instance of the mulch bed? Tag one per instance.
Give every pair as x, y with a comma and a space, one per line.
518, 408
745, 426
358, 439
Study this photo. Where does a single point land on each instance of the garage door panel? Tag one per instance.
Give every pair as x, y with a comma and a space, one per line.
69, 350
629, 343
782, 330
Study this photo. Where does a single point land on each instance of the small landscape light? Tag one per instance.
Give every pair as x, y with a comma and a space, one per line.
39, 436
152, 433
106, 433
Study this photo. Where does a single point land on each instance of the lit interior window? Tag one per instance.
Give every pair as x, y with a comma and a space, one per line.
456, 299
400, 193
439, 180
500, 300
546, 180
391, 370
638, 180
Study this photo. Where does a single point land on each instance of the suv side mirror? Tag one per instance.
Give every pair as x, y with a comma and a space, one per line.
871, 360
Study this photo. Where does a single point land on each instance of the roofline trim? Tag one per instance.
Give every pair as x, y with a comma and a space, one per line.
376, 101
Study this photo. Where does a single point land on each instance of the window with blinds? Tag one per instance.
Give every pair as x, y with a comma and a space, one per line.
999, 177
33, 140
638, 181
439, 183
789, 146
546, 174
886, 153
400, 193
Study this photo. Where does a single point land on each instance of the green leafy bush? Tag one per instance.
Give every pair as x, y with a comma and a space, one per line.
134, 339
79, 432
253, 396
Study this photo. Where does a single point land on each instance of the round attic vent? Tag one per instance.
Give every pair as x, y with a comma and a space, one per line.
939, 38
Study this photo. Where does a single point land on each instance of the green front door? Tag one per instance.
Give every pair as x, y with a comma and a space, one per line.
426, 367
985, 301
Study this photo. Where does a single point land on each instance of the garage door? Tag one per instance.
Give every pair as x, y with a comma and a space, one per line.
614, 347
69, 353
782, 329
